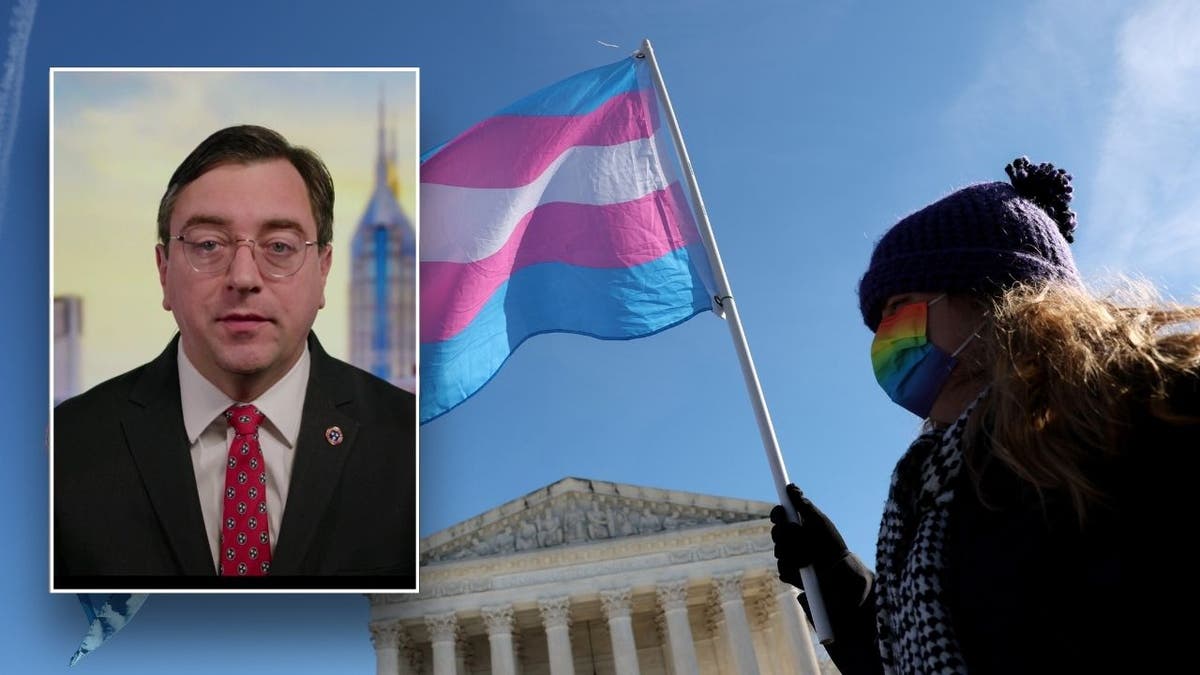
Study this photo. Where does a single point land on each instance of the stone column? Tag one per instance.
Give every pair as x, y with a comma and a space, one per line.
462, 655
664, 642
672, 596
443, 633
762, 627
733, 609
617, 607
518, 650
798, 644
385, 636
499, 622
556, 617
714, 623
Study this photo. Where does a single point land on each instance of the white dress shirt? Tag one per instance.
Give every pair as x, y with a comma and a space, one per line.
210, 435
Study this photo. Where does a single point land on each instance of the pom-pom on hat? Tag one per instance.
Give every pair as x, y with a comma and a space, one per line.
979, 240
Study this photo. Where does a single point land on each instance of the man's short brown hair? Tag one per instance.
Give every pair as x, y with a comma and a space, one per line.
245, 144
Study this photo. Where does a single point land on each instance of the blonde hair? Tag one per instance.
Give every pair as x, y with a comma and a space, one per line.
1069, 373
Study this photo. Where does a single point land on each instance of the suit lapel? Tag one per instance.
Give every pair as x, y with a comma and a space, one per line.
153, 426
317, 468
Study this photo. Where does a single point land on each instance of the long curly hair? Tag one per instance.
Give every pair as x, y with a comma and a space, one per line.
1069, 373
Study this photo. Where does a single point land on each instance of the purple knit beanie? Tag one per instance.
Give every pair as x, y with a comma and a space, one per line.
979, 240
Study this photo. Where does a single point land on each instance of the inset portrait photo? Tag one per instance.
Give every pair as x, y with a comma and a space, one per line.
233, 272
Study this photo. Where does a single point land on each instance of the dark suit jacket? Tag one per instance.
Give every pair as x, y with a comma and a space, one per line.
126, 510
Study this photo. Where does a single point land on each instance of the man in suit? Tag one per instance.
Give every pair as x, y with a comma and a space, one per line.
243, 454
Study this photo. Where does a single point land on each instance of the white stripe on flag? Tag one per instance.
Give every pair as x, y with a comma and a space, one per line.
461, 224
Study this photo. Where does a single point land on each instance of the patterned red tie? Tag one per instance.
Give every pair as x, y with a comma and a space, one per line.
245, 541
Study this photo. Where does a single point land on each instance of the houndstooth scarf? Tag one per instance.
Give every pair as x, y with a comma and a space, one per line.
915, 631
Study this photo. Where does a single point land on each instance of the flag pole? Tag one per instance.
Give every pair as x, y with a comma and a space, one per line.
726, 302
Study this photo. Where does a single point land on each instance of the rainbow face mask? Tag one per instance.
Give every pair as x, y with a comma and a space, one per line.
911, 369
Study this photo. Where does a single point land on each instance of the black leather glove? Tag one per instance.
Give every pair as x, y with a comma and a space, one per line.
814, 541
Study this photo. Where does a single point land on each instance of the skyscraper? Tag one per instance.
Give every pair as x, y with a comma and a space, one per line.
68, 332
383, 278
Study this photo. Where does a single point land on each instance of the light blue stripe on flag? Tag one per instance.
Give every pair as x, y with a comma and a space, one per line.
579, 94
608, 303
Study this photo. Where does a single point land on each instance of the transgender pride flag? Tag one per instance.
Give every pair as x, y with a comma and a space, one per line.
561, 213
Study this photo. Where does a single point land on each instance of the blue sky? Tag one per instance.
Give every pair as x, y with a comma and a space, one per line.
813, 127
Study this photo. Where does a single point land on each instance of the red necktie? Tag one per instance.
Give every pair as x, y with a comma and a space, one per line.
245, 541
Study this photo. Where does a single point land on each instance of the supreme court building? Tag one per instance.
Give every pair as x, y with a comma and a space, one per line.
586, 576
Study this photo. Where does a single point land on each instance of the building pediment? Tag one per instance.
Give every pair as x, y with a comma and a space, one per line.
577, 511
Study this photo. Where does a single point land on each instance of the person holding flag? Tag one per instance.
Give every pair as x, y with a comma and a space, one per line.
1060, 438
574, 210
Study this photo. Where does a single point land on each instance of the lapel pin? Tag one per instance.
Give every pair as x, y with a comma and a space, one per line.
334, 435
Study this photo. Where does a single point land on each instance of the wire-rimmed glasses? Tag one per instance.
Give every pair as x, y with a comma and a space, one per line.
280, 254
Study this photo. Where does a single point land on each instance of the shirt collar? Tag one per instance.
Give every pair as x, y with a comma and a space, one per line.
282, 404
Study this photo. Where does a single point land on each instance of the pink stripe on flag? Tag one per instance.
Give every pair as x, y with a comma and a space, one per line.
496, 153
609, 236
